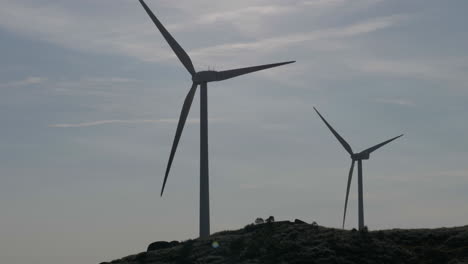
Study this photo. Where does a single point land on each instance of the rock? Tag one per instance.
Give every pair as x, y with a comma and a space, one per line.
299, 221
174, 243
161, 245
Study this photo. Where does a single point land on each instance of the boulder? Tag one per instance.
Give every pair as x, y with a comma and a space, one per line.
299, 221
161, 245
174, 243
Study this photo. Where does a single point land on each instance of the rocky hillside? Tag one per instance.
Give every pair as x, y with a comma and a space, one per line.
299, 242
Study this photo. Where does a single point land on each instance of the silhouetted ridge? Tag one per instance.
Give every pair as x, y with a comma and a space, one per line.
297, 242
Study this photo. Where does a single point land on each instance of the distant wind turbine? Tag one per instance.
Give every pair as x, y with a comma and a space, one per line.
363, 155
199, 78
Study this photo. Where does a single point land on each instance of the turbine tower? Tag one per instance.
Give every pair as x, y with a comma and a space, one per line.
359, 157
199, 78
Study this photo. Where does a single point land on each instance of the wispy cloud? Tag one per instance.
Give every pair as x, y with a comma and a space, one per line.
99, 86
119, 121
253, 18
274, 43
432, 175
110, 80
25, 82
100, 33
126, 121
446, 69
251, 15
96, 82
85, 31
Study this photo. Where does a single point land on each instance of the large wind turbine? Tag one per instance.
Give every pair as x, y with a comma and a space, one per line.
359, 157
199, 78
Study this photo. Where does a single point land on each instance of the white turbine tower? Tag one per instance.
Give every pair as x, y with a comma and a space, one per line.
359, 157
199, 78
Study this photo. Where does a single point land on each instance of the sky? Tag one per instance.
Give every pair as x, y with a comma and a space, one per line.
91, 93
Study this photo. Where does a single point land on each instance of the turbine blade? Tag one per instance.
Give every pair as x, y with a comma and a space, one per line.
340, 139
374, 148
347, 191
223, 75
180, 127
178, 50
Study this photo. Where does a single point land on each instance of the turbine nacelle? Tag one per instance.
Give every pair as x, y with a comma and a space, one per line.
360, 156
205, 76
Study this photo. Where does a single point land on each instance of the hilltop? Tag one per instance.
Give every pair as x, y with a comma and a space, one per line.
298, 242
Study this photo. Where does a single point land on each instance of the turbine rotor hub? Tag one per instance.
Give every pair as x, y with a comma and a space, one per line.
205, 76
360, 156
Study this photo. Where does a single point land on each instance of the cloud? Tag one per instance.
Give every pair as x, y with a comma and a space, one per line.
271, 44
253, 18
119, 33
25, 82
128, 121
240, 15
94, 86
454, 174
133, 35
446, 69
109, 80
120, 121
96, 82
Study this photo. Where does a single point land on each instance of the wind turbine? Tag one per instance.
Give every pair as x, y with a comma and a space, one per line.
199, 78
359, 157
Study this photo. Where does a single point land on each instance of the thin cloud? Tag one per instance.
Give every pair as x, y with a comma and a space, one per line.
120, 121
84, 31
25, 82
128, 121
432, 69
450, 174
253, 17
271, 44
111, 80
239, 14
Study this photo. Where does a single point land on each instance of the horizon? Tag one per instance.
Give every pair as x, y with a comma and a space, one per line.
91, 95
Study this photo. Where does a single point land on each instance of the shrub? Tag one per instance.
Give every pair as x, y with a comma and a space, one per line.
314, 225
259, 220
237, 245
184, 252
364, 230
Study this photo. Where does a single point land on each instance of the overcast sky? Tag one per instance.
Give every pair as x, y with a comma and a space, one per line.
90, 95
